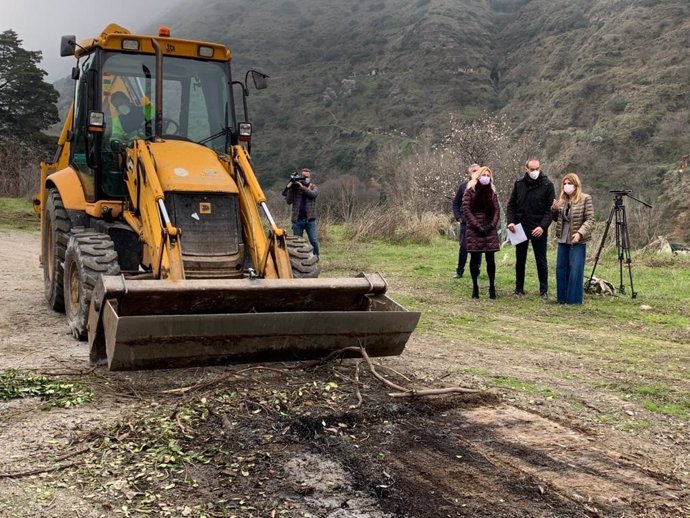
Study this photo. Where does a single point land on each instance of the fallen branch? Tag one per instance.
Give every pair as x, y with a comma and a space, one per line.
434, 392
358, 393
402, 391
21, 474
225, 377
395, 372
38, 471
199, 386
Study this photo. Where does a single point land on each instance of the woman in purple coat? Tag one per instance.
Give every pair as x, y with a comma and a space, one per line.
481, 210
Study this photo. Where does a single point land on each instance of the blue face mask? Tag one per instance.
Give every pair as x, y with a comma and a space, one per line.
306, 181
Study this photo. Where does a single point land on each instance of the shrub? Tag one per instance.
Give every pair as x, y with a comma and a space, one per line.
19, 169
395, 226
427, 177
344, 196
371, 223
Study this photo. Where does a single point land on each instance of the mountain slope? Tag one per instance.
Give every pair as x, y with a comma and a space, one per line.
597, 82
596, 86
604, 82
348, 77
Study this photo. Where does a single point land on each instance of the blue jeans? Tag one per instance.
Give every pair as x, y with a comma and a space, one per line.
570, 273
302, 225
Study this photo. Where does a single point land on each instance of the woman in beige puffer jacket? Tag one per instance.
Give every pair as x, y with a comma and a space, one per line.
573, 213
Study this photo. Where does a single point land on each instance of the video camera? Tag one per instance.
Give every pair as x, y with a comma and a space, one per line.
619, 193
298, 178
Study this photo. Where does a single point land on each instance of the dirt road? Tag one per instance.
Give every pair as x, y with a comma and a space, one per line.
286, 440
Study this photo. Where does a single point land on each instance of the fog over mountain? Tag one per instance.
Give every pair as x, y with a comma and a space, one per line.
41, 23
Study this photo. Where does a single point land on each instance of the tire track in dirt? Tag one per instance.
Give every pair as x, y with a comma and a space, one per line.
426, 458
498, 460
31, 335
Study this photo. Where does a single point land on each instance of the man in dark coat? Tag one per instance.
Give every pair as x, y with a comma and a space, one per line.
530, 204
301, 194
460, 217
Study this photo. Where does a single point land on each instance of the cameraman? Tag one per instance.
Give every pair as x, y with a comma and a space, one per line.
301, 194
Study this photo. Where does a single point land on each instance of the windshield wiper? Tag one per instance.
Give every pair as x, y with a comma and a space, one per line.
222, 132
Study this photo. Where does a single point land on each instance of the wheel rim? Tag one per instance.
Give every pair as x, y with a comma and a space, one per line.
73, 281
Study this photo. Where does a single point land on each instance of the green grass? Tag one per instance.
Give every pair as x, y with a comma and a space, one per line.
18, 213
631, 425
672, 409
522, 386
666, 290
632, 349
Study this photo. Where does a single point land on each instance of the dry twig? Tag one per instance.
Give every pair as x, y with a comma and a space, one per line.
402, 391
38, 471
356, 385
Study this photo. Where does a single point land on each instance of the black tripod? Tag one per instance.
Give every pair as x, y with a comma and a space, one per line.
622, 239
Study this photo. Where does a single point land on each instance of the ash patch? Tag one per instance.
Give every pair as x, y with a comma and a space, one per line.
328, 487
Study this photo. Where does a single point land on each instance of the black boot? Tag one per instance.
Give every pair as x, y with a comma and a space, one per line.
475, 291
492, 292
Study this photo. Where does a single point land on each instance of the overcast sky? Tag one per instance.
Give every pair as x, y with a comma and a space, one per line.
41, 23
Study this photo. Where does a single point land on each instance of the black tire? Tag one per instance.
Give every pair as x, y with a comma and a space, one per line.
89, 255
56, 227
302, 259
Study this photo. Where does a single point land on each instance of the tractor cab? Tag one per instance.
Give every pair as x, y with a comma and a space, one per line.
119, 99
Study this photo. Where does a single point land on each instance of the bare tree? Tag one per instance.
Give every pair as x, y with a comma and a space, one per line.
18, 168
343, 196
428, 177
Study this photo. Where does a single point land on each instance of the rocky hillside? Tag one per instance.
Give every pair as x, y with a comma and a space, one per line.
349, 77
599, 86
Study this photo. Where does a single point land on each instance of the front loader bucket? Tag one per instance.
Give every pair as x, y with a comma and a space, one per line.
145, 324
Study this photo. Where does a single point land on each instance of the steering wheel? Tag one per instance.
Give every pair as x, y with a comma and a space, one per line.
170, 127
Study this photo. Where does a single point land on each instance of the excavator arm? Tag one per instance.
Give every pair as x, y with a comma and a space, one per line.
149, 214
268, 252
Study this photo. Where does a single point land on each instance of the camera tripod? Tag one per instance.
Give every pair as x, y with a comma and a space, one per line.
622, 239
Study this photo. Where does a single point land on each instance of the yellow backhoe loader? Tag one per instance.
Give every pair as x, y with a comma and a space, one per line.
156, 238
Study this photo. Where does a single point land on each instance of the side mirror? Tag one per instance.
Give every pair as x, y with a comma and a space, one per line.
68, 45
259, 79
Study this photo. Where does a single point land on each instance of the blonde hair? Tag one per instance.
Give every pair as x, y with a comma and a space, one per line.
576, 195
477, 174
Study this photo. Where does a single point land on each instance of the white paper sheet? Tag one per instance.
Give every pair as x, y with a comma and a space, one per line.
518, 236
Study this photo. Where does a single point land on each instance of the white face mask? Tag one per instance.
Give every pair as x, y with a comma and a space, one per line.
569, 188
534, 174
485, 180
